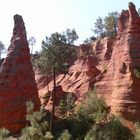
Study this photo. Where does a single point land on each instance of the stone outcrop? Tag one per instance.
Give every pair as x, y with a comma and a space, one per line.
59, 95
92, 60
79, 76
120, 84
77, 80
102, 49
17, 81
113, 68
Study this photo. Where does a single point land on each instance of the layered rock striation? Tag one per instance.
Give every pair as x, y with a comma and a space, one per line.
78, 79
120, 84
17, 81
113, 69
91, 62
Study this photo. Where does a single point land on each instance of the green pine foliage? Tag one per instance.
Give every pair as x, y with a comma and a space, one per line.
137, 131
93, 107
38, 128
57, 51
62, 108
89, 121
92, 110
107, 26
4, 133
66, 106
99, 27
111, 24
139, 11
2, 48
112, 130
65, 135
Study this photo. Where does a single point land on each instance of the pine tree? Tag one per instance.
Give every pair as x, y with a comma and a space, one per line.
38, 128
99, 27
111, 24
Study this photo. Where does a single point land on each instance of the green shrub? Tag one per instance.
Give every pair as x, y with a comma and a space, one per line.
4, 133
78, 128
65, 135
93, 108
118, 131
38, 128
66, 106
137, 132
89, 121
112, 130
95, 134
62, 108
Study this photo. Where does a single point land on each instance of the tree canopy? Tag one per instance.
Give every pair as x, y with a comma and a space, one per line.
139, 11
99, 27
2, 48
56, 51
106, 26
32, 42
111, 24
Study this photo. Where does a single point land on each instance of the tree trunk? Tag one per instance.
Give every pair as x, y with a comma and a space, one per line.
53, 108
48, 83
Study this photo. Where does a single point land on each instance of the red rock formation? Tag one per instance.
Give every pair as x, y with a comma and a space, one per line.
102, 49
119, 85
59, 95
79, 76
17, 81
92, 59
77, 80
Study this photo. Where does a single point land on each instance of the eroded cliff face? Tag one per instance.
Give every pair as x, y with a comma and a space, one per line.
119, 85
126, 93
17, 81
92, 61
113, 68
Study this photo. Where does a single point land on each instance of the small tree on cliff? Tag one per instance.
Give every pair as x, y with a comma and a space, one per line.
38, 129
56, 52
58, 49
107, 26
111, 24
139, 11
99, 27
32, 42
90, 39
2, 48
71, 36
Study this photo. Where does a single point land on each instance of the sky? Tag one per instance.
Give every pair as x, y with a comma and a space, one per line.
44, 17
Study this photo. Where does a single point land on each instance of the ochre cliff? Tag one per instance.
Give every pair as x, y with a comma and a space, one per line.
17, 81
126, 92
92, 60
113, 68
120, 85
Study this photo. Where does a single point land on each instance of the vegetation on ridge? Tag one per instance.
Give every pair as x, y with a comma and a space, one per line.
57, 50
89, 121
107, 26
